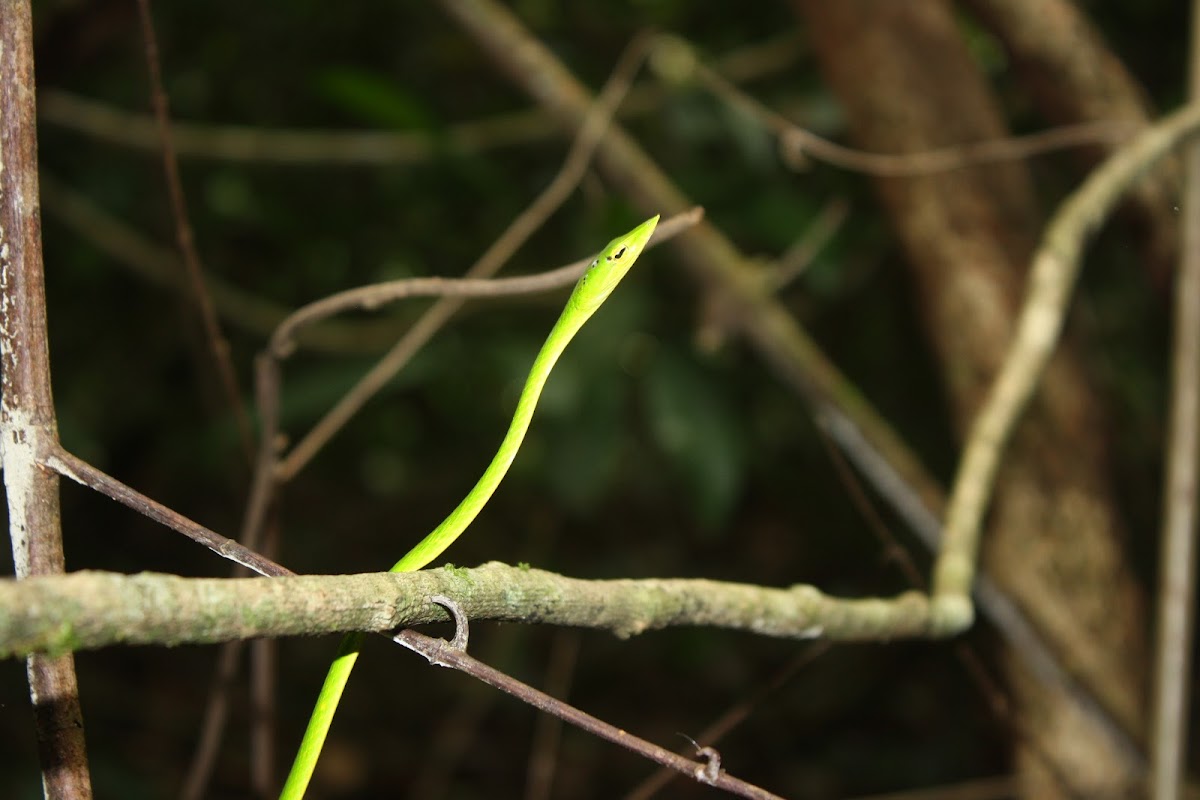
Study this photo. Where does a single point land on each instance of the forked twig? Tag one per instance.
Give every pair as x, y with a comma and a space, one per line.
1051, 279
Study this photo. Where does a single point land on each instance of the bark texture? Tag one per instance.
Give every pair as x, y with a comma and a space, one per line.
908, 84
27, 406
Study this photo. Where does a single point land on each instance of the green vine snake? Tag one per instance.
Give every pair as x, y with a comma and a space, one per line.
597, 283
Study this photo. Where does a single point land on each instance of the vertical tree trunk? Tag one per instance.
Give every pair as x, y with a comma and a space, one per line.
26, 406
908, 84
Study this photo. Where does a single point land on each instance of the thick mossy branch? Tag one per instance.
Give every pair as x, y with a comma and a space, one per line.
86, 610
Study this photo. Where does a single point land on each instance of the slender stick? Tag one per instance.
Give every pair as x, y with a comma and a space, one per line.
736, 715
1177, 566
218, 347
212, 729
545, 747
84, 473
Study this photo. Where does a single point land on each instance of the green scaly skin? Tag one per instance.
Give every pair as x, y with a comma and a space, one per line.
593, 289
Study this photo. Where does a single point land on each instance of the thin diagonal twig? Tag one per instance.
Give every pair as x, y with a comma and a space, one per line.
267, 370
443, 654
212, 728
283, 339
219, 350
524, 226
218, 346
715, 731
83, 473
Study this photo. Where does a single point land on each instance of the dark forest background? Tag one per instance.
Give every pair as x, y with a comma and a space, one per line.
656, 451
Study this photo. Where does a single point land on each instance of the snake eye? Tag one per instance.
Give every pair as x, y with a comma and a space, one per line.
619, 253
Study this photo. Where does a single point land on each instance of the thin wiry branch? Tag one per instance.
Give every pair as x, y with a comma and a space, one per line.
529, 221
84, 473
297, 147
679, 63
217, 344
453, 654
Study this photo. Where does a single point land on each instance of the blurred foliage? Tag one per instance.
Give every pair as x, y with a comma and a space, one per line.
647, 457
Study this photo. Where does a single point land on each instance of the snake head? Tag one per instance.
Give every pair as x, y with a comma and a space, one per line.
610, 266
